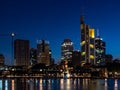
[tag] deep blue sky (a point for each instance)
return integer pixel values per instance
(55, 20)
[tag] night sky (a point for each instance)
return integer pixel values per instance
(55, 20)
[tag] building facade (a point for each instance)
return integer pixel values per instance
(87, 43)
(43, 52)
(66, 50)
(21, 52)
(76, 57)
(100, 51)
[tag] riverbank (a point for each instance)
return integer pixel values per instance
(45, 77)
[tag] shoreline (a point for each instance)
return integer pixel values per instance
(42, 77)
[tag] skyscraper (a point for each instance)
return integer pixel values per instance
(87, 43)
(99, 51)
(21, 52)
(66, 50)
(43, 52)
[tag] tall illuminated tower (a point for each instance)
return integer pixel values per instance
(87, 43)
(99, 51)
(66, 50)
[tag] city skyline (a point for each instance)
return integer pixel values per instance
(56, 20)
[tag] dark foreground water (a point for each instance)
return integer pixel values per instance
(59, 84)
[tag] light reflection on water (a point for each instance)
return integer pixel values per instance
(59, 84)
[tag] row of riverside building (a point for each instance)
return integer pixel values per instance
(93, 50)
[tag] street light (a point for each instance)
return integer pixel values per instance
(12, 34)
(12, 43)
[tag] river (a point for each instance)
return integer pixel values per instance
(59, 84)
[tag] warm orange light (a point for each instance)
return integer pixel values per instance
(91, 56)
(91, 33)
(13, 85)
(83, 53)
(82, 63)
(91, 46)
(82, 43)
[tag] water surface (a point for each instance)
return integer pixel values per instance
(59, 84)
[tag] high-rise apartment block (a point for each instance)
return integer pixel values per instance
(87, 43)
(21, 52)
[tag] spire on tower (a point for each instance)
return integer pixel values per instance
(82, 16)
(98, 34)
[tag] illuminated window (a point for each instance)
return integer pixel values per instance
(81, 26)
(91, 46)
(91, 57)
(82, 43)
(83, 53)
(91, 33)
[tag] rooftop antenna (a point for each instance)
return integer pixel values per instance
(82, 16)
(82, 12)
(98, 33)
